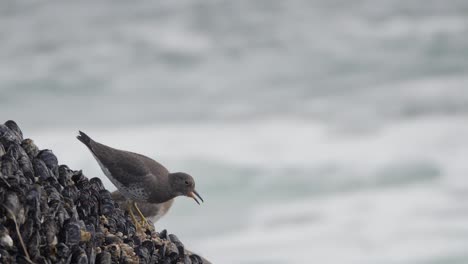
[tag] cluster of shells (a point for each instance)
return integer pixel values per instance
(52, 214)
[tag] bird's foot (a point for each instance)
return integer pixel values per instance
(144, 221)
(148, 225)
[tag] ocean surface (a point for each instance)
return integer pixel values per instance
(317, 131)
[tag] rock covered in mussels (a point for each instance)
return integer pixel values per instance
(50, 213)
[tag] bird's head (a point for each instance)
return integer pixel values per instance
(183, 184)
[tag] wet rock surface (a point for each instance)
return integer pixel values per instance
(50, 213)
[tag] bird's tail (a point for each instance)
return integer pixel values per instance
(85, 139)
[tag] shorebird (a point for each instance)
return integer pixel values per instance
(139, 178)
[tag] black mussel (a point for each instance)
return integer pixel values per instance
(178, 244)
(171, 250)
(96, 184)
(187, 260)
(71, 192)
(49, 228)
(71, 233)
(79, 256)
(2, 150)
(49, 159)
(14, 150)
(103, 258)
(65, 175)
(137, 240)
(155, 258)
(5, 256)
(9, 165)
(27, 229)
(78, 176)
(52, 194)
(14, 128)
(30, 148)
(149, 244)
(162, 251)
(33, 243)
(7, 136)
(196, 259)
(33, 204)
(40, 169)
(25, 164)
(106, 204)
(112, 239)
(52, 181)
(167, 261)
(163, 234)
(63, 251)
(143, 254)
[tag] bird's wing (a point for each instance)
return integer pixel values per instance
(126, 167)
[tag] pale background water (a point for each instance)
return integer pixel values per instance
(317, 131)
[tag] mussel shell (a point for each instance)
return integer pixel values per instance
(196, 259)
(187, 260)
(33, 204)
(149, 244)
(33, 243)
(171, 250)
(106, 204)
(14, 128)
(40, 169)
(30, 148)
(7, 136)
(103, 258)
(143, 254)
(49, 159)
(178, 244)
(71, 233)
(5, 256)
(2, 150)
(65, 175)
(49, 228)
(96, 184)
(9, 165)
(163, 234)
(79, 256)
(63, 251)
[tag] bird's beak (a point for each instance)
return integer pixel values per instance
(194, 195)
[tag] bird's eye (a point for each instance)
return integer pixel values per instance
(187, 183)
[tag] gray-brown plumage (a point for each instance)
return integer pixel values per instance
(139, 178)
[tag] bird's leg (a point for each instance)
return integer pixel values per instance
(137, 224)
(144, 221)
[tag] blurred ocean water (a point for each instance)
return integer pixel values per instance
(317, 131)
